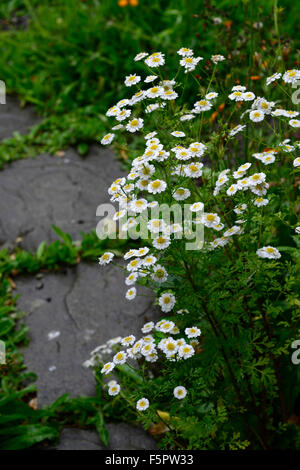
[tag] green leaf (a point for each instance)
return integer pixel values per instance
(102, 429)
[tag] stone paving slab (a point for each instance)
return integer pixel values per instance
(121, 437)
(86, 305)
(14, 118)
(83, 306)
(48, 190)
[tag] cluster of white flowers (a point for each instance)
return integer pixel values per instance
(129, 348)
(140, 191)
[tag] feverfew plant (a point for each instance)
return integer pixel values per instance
(216, 369)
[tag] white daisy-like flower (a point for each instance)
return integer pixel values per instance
(178, 134)
(128, 340)
(140, 56)
(192, 332)
(170, 347)
(221, 180)
(268, 159)
(194, 170)
(202, 105)
(278, 112)
(118, 215)
(257, 178)
(196, 207)
(236, 130)
(165, 326)
(256, 115)
(240, 208)
(111, 383)
(296, 162)
(166, 302)
(180, 392)
(155, 60)
(114, 390)
(157, 226)
(217, 58)
(187, 117)
(169, 95)
(148, 348)
(135, 124)
(294, 122)
(131, 279)
(113, 111)
(138, 205)
(263, 105)
(123, 114)
(122, 103)
(248, 96)
(120, 357)
(107, 139)
(268, 252)
(159, 274)
(131, 293)
(260, 201)
(152, 107)
(244, 167)
(238, 174)
(189, 63)
(209, 219)
(150, 78)
(130, 254)
(150, 135)
(157, 186)
(154, 92)
(148, 327)
(272, 78)
(183, 154)
(149, 260)
(236, 96)
(232, 231)
(146, 169)
(134, 265)
(106, 258)
(176, 228)
(137, 97)
(142, 404)
(185, 52)
(260, 189)
(162, 242)
(288, 113)
(181, 194)
(107, 368)
(238, 88)
(142, 251)
(117, 127)
(291, 76)
(152, 357)
(186, 351)
(211, 95)
(132, 80)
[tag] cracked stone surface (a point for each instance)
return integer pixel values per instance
(86, 305)
(80, 307)
(38, 193)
